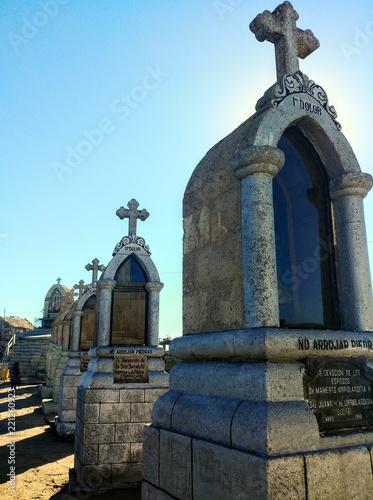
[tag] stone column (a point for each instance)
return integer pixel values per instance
(256, 168)
(106, 288)
(153, 290)
(70, 379)
(59, 334)
(75, 336)
(65, 341)
(355, 287)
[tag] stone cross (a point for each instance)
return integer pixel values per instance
(68, 300)
(94, 267)
(290, 41)
(58, 280)
(80, 287)
(132, 214)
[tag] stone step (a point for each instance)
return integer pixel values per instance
(30, 350)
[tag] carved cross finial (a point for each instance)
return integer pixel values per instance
(80, 287)
(279, 27)
(68, 300)
(94, 267)
(58, 281)
(132, 214)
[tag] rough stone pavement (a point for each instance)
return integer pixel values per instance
(42, 461)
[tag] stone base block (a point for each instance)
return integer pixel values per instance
(45, 392)
(48, 407)
(108, 435)
(182, 467)
(65, 430)
(94, 484)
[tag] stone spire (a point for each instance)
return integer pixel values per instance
(132, 214)
(279, 27)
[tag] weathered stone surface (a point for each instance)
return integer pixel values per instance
(93, 477)
(136, 452)
(69, 416)
(115, 412)
(259, 381)
(98, 433)
(151, 395)
(274, 428)
(176, 464)
(286, 478)
(141, 412)
(114, 453)
(162, 411)
(66, 404)
(345, 474)
(102, 396)
(131, 395)
(128, 474)
(129, 432)
(151, 457)
(207, 417)
(64, 429)
(222, 473)
(88, 454)
(89, 412)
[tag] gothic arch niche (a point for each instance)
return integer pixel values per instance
(304, 237)
(55, 301)
(129, 304)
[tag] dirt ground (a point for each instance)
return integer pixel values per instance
(41, 461)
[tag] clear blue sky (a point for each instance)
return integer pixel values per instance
(102, 102)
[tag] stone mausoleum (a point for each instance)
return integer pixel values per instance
(80, 341)
(125, 374)
(53, 303)
(273, 396)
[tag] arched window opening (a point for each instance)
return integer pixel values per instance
(304, 238)
(55, 301)
(128, 321)
(87, 328)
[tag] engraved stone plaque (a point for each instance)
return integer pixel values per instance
(339, 392)
(84, 360)
(130, 368)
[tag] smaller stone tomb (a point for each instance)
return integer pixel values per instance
(82, 336)
(339, 392)
(126, 373)
(57, 354)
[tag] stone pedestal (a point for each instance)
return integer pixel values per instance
(110, 421)
(60, 365)
(235, 422)
(49, 405)
(70, 380)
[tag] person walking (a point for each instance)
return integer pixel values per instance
(15, 376)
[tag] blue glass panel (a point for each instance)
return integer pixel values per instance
(303, 229)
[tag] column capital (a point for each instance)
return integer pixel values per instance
(353, 184)
(258, 159)
(108, 284)
(153, 286)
